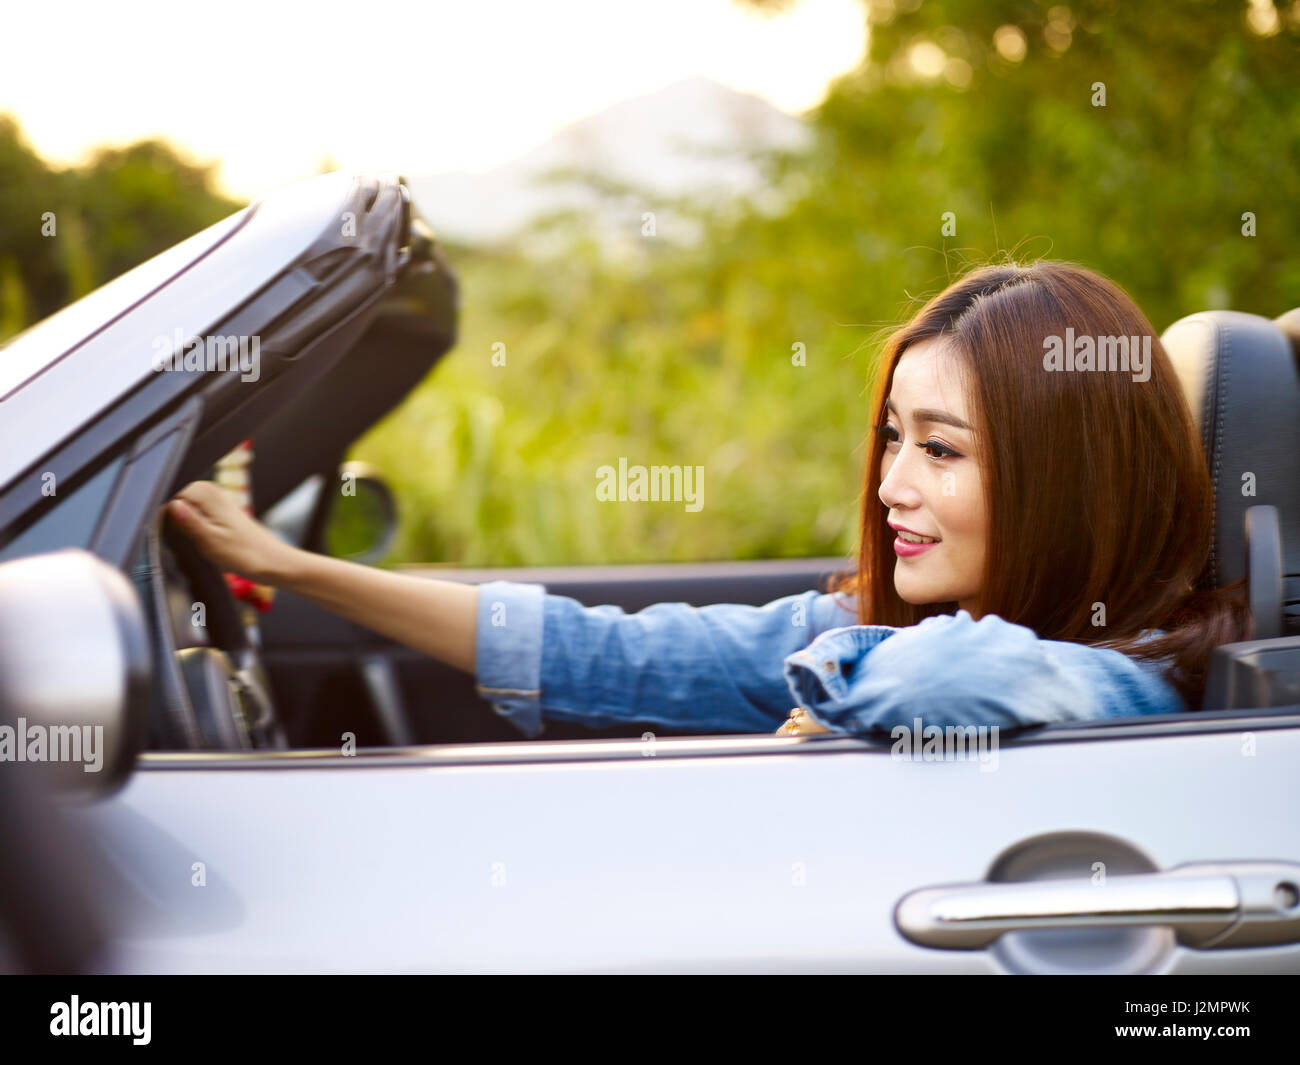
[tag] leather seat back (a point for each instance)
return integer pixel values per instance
(1239, 373)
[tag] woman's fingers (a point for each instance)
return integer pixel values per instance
(204, 496)
(180, 510)
(199, 512)
(226, 533)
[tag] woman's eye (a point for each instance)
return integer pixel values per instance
(936, 450)
(888, 432)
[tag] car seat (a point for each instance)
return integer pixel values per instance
(1239, 374)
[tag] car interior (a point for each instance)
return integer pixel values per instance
(298, 676)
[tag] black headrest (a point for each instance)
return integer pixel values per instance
(1239, 374)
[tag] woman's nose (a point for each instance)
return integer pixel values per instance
(897, 488)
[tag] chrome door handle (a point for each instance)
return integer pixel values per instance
(1207, 904)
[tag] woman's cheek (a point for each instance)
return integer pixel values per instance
(965, 520)
(960, 503)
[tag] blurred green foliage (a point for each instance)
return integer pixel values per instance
(66, 232)
(669, 352)
(683, 354)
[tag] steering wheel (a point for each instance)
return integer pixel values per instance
(225, 679)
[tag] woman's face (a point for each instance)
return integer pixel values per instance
(931, 481)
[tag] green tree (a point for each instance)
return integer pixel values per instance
(31, 197)
(13, 298)
(983, 117)
(138, 201)
(69, 231)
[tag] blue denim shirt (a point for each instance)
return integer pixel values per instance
(730, 667)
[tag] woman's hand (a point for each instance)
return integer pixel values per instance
(224, 532)
(435, 617)
(799, 723)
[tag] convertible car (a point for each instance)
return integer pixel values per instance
(231, 827)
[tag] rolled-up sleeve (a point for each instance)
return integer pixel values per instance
(715, 668)
(954, 670)
(508, 650)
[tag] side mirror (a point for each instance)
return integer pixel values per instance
(362, 521)
(355, 517)
(74, 671)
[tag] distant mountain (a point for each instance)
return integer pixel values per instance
(690, 137)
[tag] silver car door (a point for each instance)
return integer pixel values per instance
(712, 854)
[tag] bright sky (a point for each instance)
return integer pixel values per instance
(268, 89)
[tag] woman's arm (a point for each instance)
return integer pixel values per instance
(437, 618)
(715, 668)
(951, 670)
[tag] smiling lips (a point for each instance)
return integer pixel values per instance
(909, 544)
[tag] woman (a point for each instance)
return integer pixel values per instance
(1032, 529)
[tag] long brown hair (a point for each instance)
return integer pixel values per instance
(1097, 490)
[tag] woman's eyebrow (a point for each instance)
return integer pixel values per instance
(926, 415)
